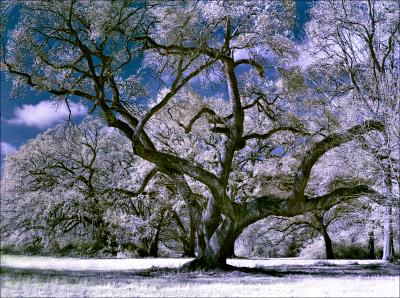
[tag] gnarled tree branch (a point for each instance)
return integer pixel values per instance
(272, 132)
(337, 196)
(320, 148)
(257, 66)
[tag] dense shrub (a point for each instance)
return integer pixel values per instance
(351, 251)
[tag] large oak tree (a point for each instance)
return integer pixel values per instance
(88, 49)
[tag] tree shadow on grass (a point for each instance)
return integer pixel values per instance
(320, 269)
(326, 270)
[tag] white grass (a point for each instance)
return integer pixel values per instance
(219, 287)
(199, 284)
(76, 264)
(295, 261)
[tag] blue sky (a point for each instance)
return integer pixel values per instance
(31, 113)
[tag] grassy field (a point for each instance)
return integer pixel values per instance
(68, 277)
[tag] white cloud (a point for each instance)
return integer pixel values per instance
(7, 148)
(45, 114)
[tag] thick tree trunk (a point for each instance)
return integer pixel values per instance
(392, 241)
(189, 242)
(232, 251)
(190, 248)
(153, 250)
(186, 236)
(371, 245)
(218, 248)
(387, 239)
(387, 215)
(398, 229)
(328, 245)
(188, 251)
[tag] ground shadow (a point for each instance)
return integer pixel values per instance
(320, 269)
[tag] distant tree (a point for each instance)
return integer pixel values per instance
(54, 184)
(317, 223)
